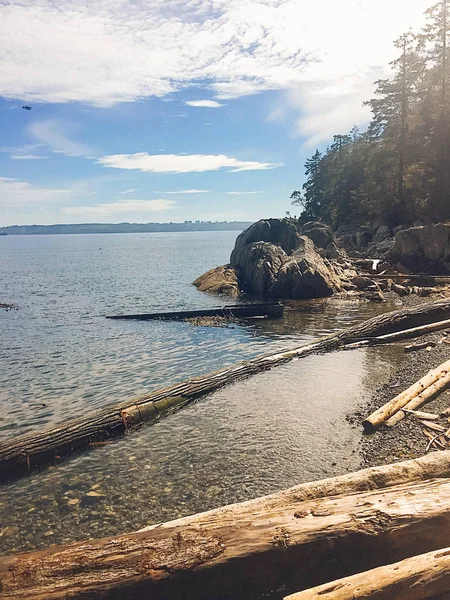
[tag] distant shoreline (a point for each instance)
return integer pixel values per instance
(94, 228)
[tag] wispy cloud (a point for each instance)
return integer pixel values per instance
(27, 157)
(15, 194)
(184, 192)
(130, 191)
(57, 136)
(176, 163)
(120, 207)
(243, 193)
(204, 103)
(93, 53)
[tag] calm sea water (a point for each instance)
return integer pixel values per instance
(61, 358)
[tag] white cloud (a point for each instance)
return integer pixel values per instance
(117, 51)
(119, 207)
(176, 163)
(27, 157)
(204, 103)
(185, 192)
(15, 193)
(56, 135)
(130, 191)
(243, 193)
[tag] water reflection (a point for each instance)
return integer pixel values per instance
(61, 358)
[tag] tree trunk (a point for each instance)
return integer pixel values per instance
(416, 578)
(36, 449)
(426, 396)
(438, 378)
(329, 529)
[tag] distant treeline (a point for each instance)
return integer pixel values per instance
(124, 227)
(398, 171)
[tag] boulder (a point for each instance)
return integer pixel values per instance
(258, 267)
(319, 233)
(381, 233)
(423, 248)
(305, 274)
(221, 280)
(281, 232)
(282, 259)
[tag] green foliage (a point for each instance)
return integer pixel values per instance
(398, 170)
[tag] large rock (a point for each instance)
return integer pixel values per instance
(423, 248)
(258, 267)
(319, 233)
(281, 259)
(221, 280)
(281, 232)
(305, 274)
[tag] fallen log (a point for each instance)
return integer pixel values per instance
(416, 578)
(388, 410)
(27, 452)
(272, 310)
(402, 335)
(426, 396)
(419, 346)
(331, 528)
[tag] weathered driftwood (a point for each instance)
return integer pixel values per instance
(388, 410)
(330, 529)
(27, 452)
(426, 396)
(403, 335)
(416, 578)
(419, 346)
(421, 415)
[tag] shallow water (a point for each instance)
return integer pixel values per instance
(61, 358)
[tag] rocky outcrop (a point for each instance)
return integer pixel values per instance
(257, 265)
(281, 259)
(423, 249)
(281, 232)
(319, 233)
(221, 280)
(304, 274)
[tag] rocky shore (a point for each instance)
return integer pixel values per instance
(286, 259)
(406, 439)
(283, 259)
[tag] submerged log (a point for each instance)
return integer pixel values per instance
(24, 453)
(388, 410)
(331, 528)
(417, 578)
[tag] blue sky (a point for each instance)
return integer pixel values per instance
(170, 110)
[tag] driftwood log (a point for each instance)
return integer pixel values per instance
(426, 396)
(293, 539)
(417, 578)
(24, 453)
(424, 389)
(405, 334)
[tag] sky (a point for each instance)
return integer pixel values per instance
(173, 110)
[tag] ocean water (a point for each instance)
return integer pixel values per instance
(61, 358)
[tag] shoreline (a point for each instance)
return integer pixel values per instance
(405, 440)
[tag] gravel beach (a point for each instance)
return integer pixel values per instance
(406, 439)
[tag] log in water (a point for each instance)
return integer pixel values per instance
(27, 452)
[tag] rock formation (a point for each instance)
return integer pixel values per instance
(220, 280)
(279, 258)
(423, 249)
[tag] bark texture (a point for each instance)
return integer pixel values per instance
(330, 529)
